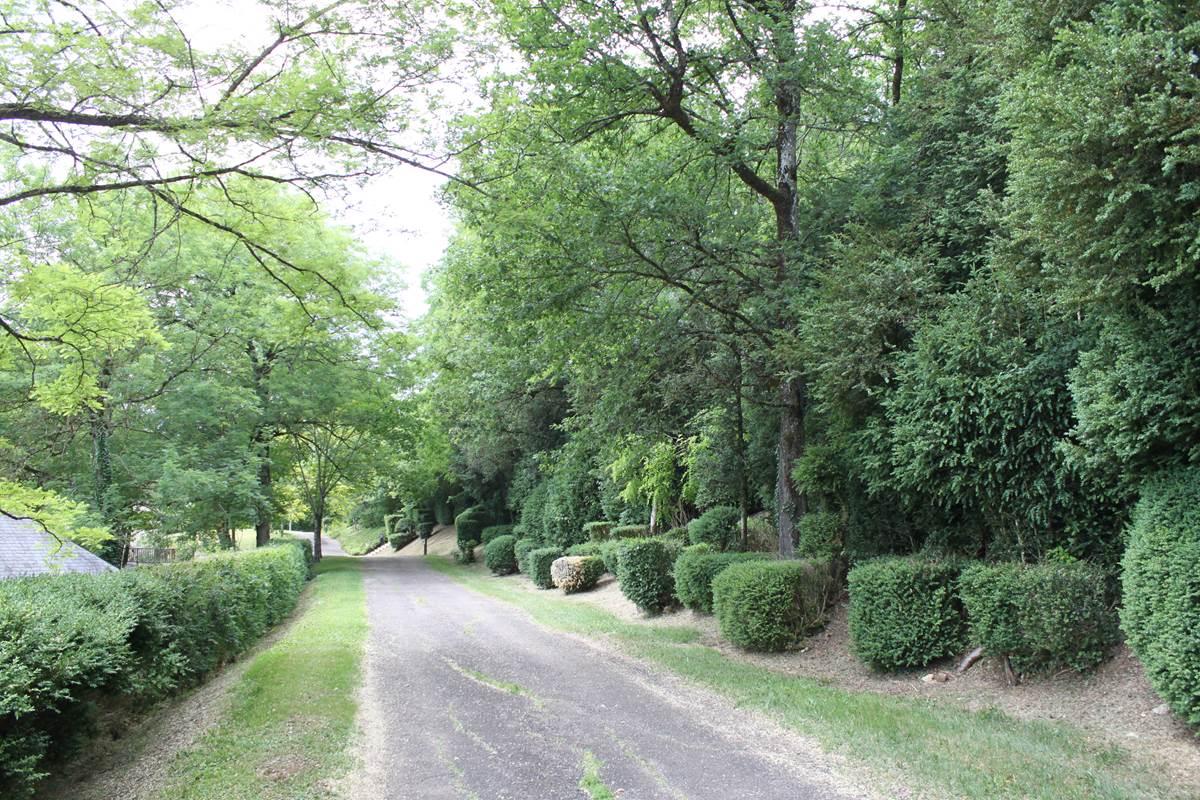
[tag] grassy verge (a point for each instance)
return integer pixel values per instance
(945, 750)
(355, 540)
(292, 712)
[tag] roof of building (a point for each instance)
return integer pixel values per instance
(26, 549)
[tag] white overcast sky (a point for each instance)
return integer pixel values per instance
(396, 215)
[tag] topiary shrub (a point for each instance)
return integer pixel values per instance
(598, 531)
(1160, 585)
(539, 562)
(694, 572)
(905, 612)
(770, 605)
(493, 531)
(819, 536)
(576, 573)
(402, 539)
(499, 555)
(521, 549)
(718, 526)
(629, 531)
(469, 525)
(644, 573)
(1042, 617)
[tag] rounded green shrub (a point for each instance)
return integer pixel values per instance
(905, 612)
(1043, 617)
(576, 573)
(521, 549)
(718, 526)
(469, 525)
(493, 531)
(695, 570)
(539, 562)
(770, 605)
(644, 573)
(819, 536)
(402, 539)
(629, 531)
(499, 555)
(1160, 586)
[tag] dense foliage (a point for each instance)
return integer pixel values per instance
(140, 634)
(499, 555)
(538, 564)
(644, 572)
(1042, 617)
(1161, 589)
(695, 570)
(905, 612)
(771, 605)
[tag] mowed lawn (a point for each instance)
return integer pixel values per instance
(291, 721)
(933, 750)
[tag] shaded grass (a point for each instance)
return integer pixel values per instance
(355, 540)
(940, 748)
(292, 713)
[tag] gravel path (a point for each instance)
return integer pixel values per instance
(465, 697)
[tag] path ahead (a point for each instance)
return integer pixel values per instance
(329, 547)
(443, 720)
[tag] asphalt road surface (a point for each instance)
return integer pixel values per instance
(466, 697)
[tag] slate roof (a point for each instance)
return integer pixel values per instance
(26, 549)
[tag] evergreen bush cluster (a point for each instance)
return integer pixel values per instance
(140, 634)
(469, 525)
(493, 531)
(521, 549)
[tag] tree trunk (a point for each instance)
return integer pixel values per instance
(653, 515)
(318, 527)
(262, 526)
(261, 370)
(790, 504)
(898, 52)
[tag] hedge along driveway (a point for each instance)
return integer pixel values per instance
(936, 750)
(292, 715)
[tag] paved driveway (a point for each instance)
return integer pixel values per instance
(467, 698)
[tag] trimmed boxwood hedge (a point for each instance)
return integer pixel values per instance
(521, 549)
(718, 527)
(1160, 586)
(770, 605)
(695, 570)
(629, 531)
(539, 562)
(644, 573)
(499, 556)
(140, 634)
(585, 549)
(492, 531)
(905, 612)
(610, 551)
(1043, 617)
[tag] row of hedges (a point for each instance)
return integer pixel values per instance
(67, 641)
(907, 612)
